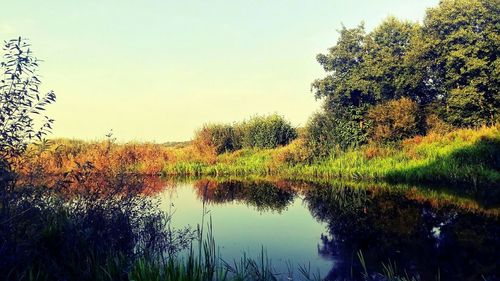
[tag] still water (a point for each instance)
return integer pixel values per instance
(329, 226)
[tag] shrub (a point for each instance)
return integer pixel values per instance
(319, 135)
(434, 124)
(393, 120)
(336, 128)
(216, 139)
(294, 153)
(266, 132)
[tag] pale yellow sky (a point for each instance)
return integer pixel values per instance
(156, 70)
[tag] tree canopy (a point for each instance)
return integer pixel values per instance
(448, 66)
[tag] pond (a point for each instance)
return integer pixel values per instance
(332, 226)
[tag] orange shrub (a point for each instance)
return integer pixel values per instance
(295, 152)
(393, 120)
(435, 124)
(62, 157)
(216, 139)
(374, 151)
(413, 141)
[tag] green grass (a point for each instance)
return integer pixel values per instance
(465, 157)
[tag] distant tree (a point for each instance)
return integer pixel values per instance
(21, 104)
(459, 53)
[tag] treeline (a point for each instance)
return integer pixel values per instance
(400, 80)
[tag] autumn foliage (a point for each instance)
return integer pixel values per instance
(393, 120)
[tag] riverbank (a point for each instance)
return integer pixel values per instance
(466, 159)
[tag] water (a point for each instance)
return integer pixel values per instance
(330, 225)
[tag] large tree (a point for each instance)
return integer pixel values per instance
(448, 66)
(385, 65)
(461, 41)
(369, 68)
(364, 70)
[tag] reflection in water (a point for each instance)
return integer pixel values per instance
(264, 196)
(420, 231)
(386, 225)
(328, 224)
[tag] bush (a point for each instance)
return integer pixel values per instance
(319, 135)
(393, 120)
(266, 132)
(258, 132)
(334, 129)
(434, 124)
(216, 139)
(294, 153)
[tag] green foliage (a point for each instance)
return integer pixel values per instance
(320, 134)
(338, 128)
(450, 61)
(419, 160)
(386, 70)
(461, 39)
(266, 132)
(345, 83)
(368, 68)
(475, 166)
(465, 106)
(21, 104)
(259, 132)
(363, 69)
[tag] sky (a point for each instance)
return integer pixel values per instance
(156, 70)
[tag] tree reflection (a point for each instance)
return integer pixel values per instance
(419, 234)
(264, 196)
(388, 227)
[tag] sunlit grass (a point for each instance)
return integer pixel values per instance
(465, 157)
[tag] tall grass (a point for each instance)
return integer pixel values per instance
(204, 263)
(466, 157)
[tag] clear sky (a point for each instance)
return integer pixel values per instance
(155, 70)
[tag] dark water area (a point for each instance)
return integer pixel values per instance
(332, 226)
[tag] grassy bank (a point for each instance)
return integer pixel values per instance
(465, 157)
(468, 158)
